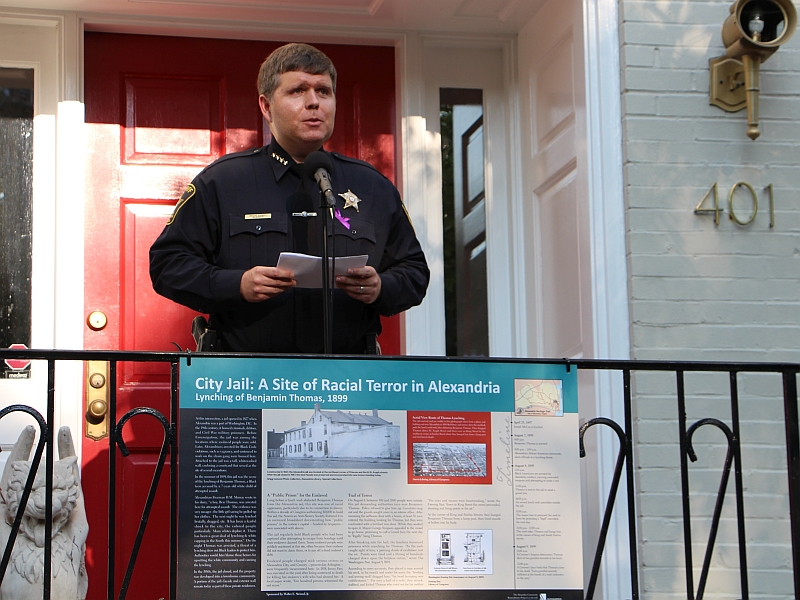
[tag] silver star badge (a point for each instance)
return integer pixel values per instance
(350, 200)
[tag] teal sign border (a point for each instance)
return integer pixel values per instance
(362, 384)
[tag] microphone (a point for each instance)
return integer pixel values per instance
(318, 165)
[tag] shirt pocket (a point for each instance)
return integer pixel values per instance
(258, 240)
(359, 238)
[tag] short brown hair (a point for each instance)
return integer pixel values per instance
(293, 57)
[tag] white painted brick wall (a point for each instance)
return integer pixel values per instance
(700, 292)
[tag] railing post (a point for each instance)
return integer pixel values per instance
(48, 479)
(632, 538)
(739, 484)
(793, 467)
(112, 476)
(173, 483)
(687, 519)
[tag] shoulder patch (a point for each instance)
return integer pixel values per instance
(408, 216)
(190, 191)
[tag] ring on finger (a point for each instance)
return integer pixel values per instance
(361, 291)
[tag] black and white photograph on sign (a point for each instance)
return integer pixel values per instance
(331, 439)
(460, 551)
(449, 460)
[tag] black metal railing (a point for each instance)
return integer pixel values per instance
(624, 464)
(733, 460)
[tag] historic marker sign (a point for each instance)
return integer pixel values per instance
(358, 479)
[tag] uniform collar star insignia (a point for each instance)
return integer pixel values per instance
(350, 200)
(279, 160)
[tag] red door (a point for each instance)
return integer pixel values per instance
(159, 109)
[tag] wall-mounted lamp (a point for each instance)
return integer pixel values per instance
(752, 33)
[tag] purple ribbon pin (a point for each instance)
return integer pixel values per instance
(343, 220)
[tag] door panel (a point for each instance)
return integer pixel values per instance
(140, 306)
(158, 110)
(173, 121)
(547, 51)
(558, 209)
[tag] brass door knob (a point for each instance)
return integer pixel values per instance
(96, 412)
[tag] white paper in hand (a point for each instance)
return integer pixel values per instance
(308, 269)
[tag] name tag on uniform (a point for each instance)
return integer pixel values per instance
(258, 216)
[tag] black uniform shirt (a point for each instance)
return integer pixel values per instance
(237, 214)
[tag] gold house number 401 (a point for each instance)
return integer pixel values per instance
(713, 193)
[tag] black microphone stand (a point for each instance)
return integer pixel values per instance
(326, 207)
(319, 166)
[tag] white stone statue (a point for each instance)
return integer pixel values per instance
(25, 574)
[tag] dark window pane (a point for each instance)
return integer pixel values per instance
(463, 205)
(16, 192)
(16, 93)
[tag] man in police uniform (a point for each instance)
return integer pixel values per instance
(218, 252)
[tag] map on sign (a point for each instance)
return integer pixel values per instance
(538, 397)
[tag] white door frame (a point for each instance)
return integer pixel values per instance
(57, 258)
(486, 63)
(610, 297)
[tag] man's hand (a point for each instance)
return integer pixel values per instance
(262, 283)
(362, 284)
